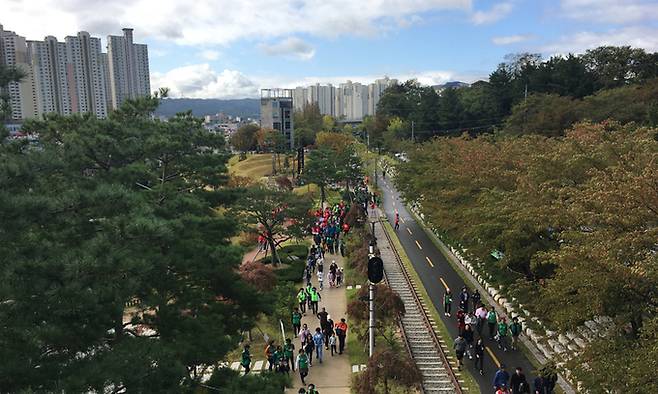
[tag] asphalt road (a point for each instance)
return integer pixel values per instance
(436, 273)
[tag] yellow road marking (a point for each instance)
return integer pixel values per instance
(429, 261)
(444, 283)
(493, 356)
(409, 231)
(419, 247)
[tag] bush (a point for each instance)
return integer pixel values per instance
(227, 381)
(294, 272)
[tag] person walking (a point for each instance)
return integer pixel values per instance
(246, 359)
(321, 279)
(302, 363)
(460, 348)
(309, 347)
(315, 298)
(503, 330)
(332, 344)
(289, 353)
(269, 354)
(461, 320)
(303, 334)
(481, 315)
(471, 320)
(447, 302)
(301, 299)
(318, 341)
(491, 322)
(539, 385)
(397, 221)
(515, 329)
(476, 297)
(296, 321)
(479, 356)
(501, 378)
(311, 389)
(279, 360)
(341, 332)
(463, 299)
(518, 382)
(468, 337)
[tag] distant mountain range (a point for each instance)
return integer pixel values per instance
(245, 108)
(450, 85)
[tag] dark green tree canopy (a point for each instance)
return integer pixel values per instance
(101, 214)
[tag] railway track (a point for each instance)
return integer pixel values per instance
(418, 330)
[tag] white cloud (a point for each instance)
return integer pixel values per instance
(638, 37)
(202, 81)
(496, 13)
(610, 11)
(290, 47)
(507, 40)
(209, 54)
(208, 22)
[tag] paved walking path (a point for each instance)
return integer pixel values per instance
(333, 375)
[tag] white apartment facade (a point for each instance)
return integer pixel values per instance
(74, 76)
(128, 68)
(350, 101)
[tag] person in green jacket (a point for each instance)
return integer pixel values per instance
(502, 334)
(311, 389)
(246, 359)
(515, 329)
(289, 353)
(301, 298)
(447, 302)
(302, 364)
(280, 360)
(296, 321)
(315, 298)
(491, 322)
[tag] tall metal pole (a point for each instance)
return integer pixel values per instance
(371, 301)
(412, 131)
(371, 342)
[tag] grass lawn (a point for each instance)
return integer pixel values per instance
(469, 382)
(255, 166)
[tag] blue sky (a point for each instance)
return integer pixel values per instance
(229, 49)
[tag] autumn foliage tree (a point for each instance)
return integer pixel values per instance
(576, 220)
(385, 370)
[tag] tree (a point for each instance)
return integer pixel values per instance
(386, 368)
(546, 114)
(244, 139)
(123, 211)
(259, 275)
(309, 118)
(328, 123)
(321, 169)
(397, 129)
(388, 306)
(338, 142)
(7, 75)
(280, 215)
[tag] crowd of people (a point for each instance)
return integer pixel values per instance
(328, 232)
(475, 322)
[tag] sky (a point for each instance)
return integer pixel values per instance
(232, 49)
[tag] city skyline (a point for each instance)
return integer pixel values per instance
(212, 49)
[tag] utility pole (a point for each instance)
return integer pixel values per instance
(412, 131)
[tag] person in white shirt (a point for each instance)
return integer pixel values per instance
(481, 316)
(320, 279)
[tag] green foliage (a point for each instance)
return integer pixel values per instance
(279, 215)
(557, 84)
(283, 300)
(552, 115)
(8, 74)
(308, 122)
(244, 139)
(227, 381)
(121, 209)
